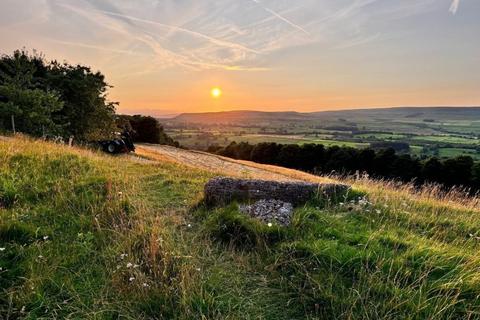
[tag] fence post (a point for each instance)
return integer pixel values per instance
(13, 124)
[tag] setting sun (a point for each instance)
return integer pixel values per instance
(216, 92)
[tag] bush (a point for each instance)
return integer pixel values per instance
(145, 129)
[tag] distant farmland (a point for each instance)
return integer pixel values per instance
(442, 132)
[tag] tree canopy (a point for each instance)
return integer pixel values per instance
(54, 98)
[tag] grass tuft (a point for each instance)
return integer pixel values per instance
(230, 226)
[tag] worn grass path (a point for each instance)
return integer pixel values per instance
(222, 165)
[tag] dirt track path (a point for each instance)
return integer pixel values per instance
(223, 165)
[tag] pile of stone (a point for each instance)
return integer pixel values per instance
(270, 211)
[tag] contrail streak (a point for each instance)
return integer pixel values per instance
(279, 16)
(216, 41)
(90, 46)
(454, 6)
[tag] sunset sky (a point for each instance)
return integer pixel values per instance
(166, 56)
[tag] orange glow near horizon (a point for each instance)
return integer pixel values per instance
(192, 97)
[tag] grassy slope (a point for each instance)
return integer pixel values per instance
(87, 236)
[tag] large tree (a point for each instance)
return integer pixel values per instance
(72, 97)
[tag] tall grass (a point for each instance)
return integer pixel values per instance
(85, 235)
(81, 238)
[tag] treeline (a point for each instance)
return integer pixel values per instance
(145, 129)
(42, 98)
(386, 163)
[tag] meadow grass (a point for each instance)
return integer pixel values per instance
(89, 236)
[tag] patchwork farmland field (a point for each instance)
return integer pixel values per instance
(438, 132)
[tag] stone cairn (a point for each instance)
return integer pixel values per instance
(273, 200)
(269, 211)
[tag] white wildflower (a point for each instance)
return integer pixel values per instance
(129, 265)
(145, 285)
(40, 257)
(378, 211)
(120, 193)
(123, 256)
(136, 266)
(2, 249)
(198, 269)
(45, 238)
(363, 202)
(189, 225)
(269, 224)
(131, 279)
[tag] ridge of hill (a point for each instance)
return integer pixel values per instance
(238, 117)
(87, 235)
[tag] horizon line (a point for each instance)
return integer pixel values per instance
(170, 114)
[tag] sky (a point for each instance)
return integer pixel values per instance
(163, 57)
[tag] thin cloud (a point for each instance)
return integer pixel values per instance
(213, 40)
(358, 41)
(241, 68)
(161, 56)
(454, 7)
(95, 47)
(192, 59)
(279, 16)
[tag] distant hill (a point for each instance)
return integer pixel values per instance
(436, 113)
(251, 117)
(229, 117)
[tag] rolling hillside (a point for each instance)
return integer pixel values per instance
(86, 235)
